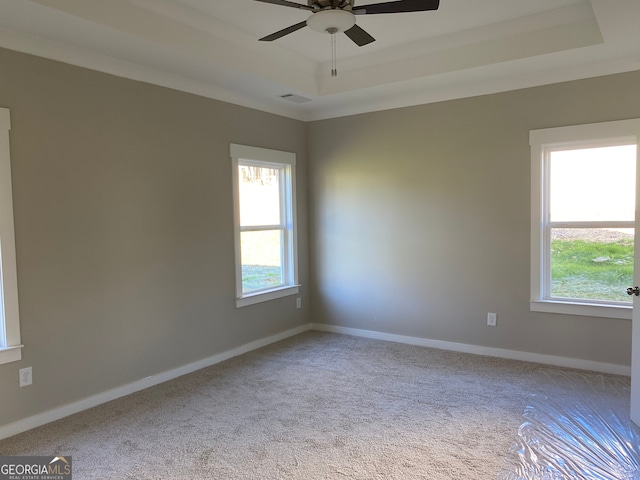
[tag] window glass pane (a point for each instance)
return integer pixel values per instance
(261, 260)
(593, 184)
(591, 263)
(259, 195)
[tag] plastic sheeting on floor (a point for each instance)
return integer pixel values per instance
(582, 432)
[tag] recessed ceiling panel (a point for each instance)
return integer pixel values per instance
(212, 48)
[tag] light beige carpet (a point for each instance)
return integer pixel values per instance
(315, 406)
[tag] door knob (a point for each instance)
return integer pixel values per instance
(633, 291)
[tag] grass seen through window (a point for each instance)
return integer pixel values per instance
(591, 264)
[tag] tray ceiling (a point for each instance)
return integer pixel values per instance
(211, 48)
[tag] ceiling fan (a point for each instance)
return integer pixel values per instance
(334, 16)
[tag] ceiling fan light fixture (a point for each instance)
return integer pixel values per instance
(331, 21)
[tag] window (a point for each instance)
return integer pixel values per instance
(583, 218)
(265, 227)
(10, 348)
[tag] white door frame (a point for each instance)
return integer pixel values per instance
(635, 335)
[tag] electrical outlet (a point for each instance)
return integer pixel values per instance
(492, 319)
(298, 302)
(25, 376)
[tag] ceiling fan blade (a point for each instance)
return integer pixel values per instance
(286, 3)
(359, 36)
(397, 6)
(283, 32)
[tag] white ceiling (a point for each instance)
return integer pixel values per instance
(211, 47)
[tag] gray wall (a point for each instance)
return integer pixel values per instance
(420, 219)
(123, 215)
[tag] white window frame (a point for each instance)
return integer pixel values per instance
(542, 142)
(286, 163)
(10, 346)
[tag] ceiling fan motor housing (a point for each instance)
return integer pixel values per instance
(323, 4)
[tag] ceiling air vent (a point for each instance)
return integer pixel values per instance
(295, 98)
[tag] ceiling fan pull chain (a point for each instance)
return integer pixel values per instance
(334, 68)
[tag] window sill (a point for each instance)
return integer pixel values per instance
(267, 295)
(622, 312)
(10, 354)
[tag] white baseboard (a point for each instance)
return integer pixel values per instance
(104, 397)
(95, 400)
(478, 350)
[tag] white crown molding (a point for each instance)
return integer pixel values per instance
(36, 46)
(539, 34)
(183, 45)
(463, 84)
